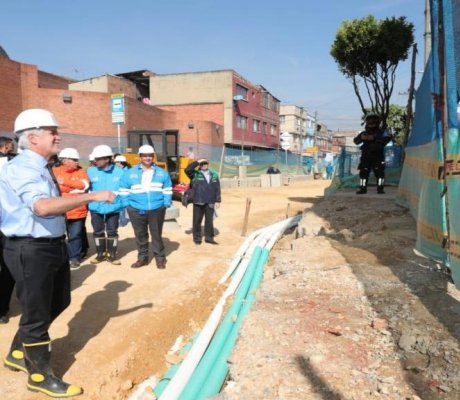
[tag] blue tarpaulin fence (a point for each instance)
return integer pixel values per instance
(430, 181)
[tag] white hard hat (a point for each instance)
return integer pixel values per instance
(69, 152)
(120, 158)
(91, 157)
(102, 151)
(34, 118)
(146, 149)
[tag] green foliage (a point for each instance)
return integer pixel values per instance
(396, 122)
(367, 52)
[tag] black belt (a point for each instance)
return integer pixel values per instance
(37, 240)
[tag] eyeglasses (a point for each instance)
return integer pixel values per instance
(146, 155)
(101, 158)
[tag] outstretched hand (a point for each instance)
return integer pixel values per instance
(105, 196)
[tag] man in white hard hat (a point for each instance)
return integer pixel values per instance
(35, 251)
(148, 192)
(73, 180)
(105, 217)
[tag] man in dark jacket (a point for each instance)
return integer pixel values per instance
(373, 140)
(206, 199)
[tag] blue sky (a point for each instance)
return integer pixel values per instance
(282, 45)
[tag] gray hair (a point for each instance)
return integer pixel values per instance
(24, 142)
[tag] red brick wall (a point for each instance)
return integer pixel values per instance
(252, 109)
(213, 112)
(50, 81)
(10, 92)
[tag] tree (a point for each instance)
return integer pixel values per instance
(368, 52)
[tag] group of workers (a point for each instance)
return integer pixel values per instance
(42, 203)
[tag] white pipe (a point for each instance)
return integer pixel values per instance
(240, 253)
(188, 366)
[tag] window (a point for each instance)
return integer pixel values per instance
(242, 91)
(275, 105)
(265, 99)
(264, 128)
(282, 119)
(241, 122)
(255, 125)
(273, 130)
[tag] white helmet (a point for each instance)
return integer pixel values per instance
(91, 157)
(146, 149)
(120, 158)
(34, 118)
(102, 151)
(69, 152)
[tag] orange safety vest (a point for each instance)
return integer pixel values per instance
(73, 183)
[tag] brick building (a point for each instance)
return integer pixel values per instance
(248, 113)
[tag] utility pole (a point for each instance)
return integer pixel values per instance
(427, 34)
(315, 144)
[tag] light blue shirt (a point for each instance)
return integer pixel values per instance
(23, 181)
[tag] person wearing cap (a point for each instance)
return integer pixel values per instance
(373, 141)
(147, 192)
(105, 217)
(35, 252)
(206, 199)
(121, 162)
(73, 180)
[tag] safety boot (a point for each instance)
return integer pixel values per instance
(362, 186)
(14, 360)
(100, 250)
(112, 246)
(380, 183)
(41, 376)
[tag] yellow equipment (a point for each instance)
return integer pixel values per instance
(166, 145)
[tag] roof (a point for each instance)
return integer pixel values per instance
(3, 53)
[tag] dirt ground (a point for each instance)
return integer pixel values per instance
(122, 322)
(347, 310)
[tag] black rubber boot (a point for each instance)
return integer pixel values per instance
(112, 246)
(362, 190)
(41, 377)
(380, 190)
(100, 250)
(15, 357)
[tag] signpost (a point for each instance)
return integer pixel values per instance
(286, 142)
(118, 113)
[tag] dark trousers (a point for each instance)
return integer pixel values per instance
(200, 211)
(105, 223)
(377, 167)
(42, 274)
(75, 238)
(143, 222)
(6, 284)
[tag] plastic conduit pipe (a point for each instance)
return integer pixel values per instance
(180, 379)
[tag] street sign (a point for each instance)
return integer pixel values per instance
(118, 108)
(285, 140)
(311, 150)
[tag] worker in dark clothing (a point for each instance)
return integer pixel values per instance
(206, 199)
(34, 250)
(6, 280)
(373, 140)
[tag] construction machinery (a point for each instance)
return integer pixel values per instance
(166, 145)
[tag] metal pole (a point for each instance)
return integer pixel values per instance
(119, 139)
(427, 34)
(315, 144)
(197, 132)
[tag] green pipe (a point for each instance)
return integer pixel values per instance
(218, 373)
(203, 369)
(161, 386)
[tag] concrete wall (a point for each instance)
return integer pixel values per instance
(107, 84)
